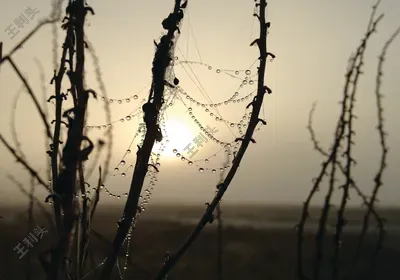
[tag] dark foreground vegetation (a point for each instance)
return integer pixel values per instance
(250, 251)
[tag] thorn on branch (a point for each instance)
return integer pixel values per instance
(262, 121)
(92, 92)
(271, 55)
(267, 89)
(152, 165)
(256, 41)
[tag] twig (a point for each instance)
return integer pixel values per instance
(31, 94)
(24, 163)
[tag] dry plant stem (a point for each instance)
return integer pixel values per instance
(341, 222)
(161, 62)
(384, 151)
(27, 37)
(57, 79)
(340, 131)
(364, 198)
(46, 114)
(254, 120)
(24, 163)
(66, 181)
(13, 126)
(31, 94)
(220, 225)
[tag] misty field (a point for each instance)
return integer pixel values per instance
(258, 243)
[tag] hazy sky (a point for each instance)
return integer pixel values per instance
(312, 40)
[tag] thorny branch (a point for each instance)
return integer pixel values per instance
(345, 123)
(254, 120)
(151, 109)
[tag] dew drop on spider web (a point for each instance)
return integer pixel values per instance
(209, 67)
(248, 72)
(123, 174)
(178, 154)
(237, 72)
(201, 169)
(176, 58)
(232, 124)
(251, 82)
(183, 158)
(128, 118)
(190, 163)
(128, 151)
(122, 162)
(213, 171)
(174, 151)
(111, 101)
(102, 99)
(127, 100)
(119, 101)
(135, 97)
(116, 169)
(206, 160)
(244, 82)
(218, 71)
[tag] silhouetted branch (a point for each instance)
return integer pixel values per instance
(23, 162)
(31, 94)
(245, 141)
(151, 109)
(354, 70)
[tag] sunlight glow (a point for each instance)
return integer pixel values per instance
(179, 136)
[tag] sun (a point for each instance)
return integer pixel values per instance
(179, 136)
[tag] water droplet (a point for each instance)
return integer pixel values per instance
(127, 100)
(206, 160)
(190, 162)
(135, 97)
(218, 71)
(116, 169)
(176, 58)
(201, 169)
(209, 67)
(101, 186)
(178, 154)
(244, 82)
(213, 171)
(221, 169)
(128, 118)
(232, 124)
(122, 120)
(183, 158)
(174, 151)
(102, 99)
(248, 72)
(251, 82)
(237, 72)
(128, 151)
(111, 101)
(119, 101)
(190, 109)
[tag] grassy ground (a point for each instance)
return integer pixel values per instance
(250, 252)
